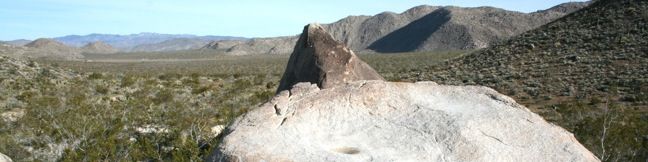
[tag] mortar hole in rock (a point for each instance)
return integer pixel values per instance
(348, 150)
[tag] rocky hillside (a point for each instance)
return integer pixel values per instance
(426, 28)
(98, 48)
(274, 45)
(172, 45)
(51, 49)
(455, 28)
(222, 45)
(585, 63)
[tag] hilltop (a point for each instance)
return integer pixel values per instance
(52, 49)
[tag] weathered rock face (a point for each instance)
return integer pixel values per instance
(318, 58)
(377, 120)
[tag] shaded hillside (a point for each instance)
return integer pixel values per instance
(586, 72)
(455, 28)
(171, 45)
(358, 32)
(98, 48)
(425, 28)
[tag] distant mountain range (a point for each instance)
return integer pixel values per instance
(131, 41)
(52, 49)
(422, 28)
(128, 42)
(173, 45)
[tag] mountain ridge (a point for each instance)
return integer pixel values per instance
(445, 28)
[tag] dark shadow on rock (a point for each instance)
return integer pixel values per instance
(413, 35)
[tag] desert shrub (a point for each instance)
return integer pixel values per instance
(102, 89)
(162, 96)
(611, 132)
(200, 90)
(128, 80)
(95, 76)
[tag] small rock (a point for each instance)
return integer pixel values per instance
(13, 115)
(148, 129)
(217, 130)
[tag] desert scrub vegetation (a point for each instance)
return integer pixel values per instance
(166, 110)
(612, 131)
(134, 110)
(95, 116)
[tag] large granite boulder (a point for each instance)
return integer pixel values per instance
(383, 121)
(318, 58)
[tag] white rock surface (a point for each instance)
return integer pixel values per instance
(4, 158)
(383, 121)
(151, 128)
(12, 115)
(217, 130)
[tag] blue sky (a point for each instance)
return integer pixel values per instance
(30, 19)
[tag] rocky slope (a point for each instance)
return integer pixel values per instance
(274, 45)
(336, 114)
(581, 56)
(428, 28)
(222, 45)
(582, 64)
(51, 49)
(98, 48)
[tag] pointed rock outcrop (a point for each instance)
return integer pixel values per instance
(320, 59)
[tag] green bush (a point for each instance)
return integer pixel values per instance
(95, 76)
